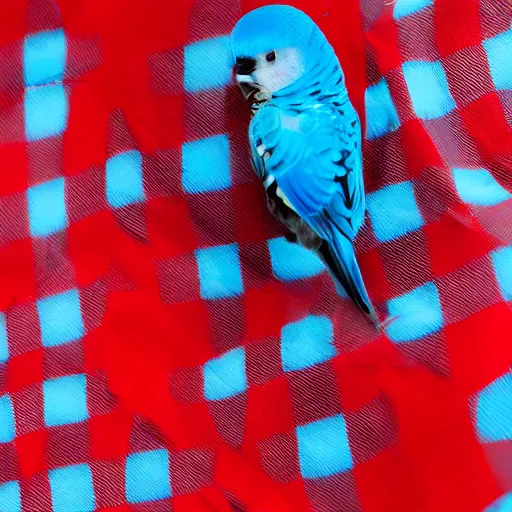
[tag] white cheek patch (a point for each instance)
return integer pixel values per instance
(274, 77)
(269, 77)
(281, 73)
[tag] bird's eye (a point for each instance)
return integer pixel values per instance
(271, 56)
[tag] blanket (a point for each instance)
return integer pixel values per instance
(164, 348)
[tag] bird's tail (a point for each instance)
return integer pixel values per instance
(341, 260)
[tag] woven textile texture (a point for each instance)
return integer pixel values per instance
(163, 348)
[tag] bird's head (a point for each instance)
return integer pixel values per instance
(273, 47)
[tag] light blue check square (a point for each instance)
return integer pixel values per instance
(393, 211)
(494, 411)
(479, 187)
(124, 179)
(220, 275)
(428, 88)
(65, 400)
(206, 165)
(324, 448)
(381, 114)
(306, 343)
(291, 261)
(60, 318)
(225, 376)
(406, 7)
(415, 314)
(147, 476)
(208, 64)
(502, 261)
(4, 344)
(47, 208)
(7, 431)
(44, 57)
(46, 112)
(72, 489)
(504, 504)
(499, 55)
(10, 497)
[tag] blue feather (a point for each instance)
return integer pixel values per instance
(307, 138)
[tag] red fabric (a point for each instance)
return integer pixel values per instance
(409, 408)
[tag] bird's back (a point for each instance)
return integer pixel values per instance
(317, 145)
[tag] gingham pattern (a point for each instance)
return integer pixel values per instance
(162, 347)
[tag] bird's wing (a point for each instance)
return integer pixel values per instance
(315, 160)
(315, 157)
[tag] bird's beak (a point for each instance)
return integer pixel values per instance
(247, 86)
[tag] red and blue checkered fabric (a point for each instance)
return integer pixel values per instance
(162, 347)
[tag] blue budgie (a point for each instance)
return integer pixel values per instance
(305, 137)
